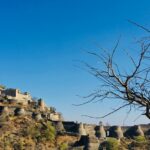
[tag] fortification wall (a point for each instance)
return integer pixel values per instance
(92, 130)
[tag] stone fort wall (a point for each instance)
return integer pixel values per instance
(92, 130)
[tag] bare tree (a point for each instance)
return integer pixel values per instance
(132, 88)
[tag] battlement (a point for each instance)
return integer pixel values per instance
(94, 136)
(14, 102)
(101, 131)
(16, 95)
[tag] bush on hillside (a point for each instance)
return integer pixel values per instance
(140, 139)
(49, 133)
(41, 132)
(63, 146)
(112, 144)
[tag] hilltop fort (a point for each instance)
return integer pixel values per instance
(20, 112)
(14, 102)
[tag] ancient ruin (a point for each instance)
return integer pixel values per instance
(14, 102)
(18, 104)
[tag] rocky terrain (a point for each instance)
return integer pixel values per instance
(23, 132)
(26, 133)
(28, 124)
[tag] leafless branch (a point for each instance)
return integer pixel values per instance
(142, 27)
(115, 110)
(132, 88)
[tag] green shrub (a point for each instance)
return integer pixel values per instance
(140, 139)
(112, 144)
(139, 142)
(63, 146)
(41, 132)
(49, 133)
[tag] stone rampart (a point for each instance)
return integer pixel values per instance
(110, 131)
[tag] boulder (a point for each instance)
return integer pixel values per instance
(20, 111)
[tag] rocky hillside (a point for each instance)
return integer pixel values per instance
(25, 133)
(28, 124)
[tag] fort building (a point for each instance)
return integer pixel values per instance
(15, 94)
(13, 101)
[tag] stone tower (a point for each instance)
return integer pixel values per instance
(134, 131)
(81, 130)
(101, 132)
(116, 132)
(138, 131)
(60, 126)
(41, 104)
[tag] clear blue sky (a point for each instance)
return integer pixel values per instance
(40, 41)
